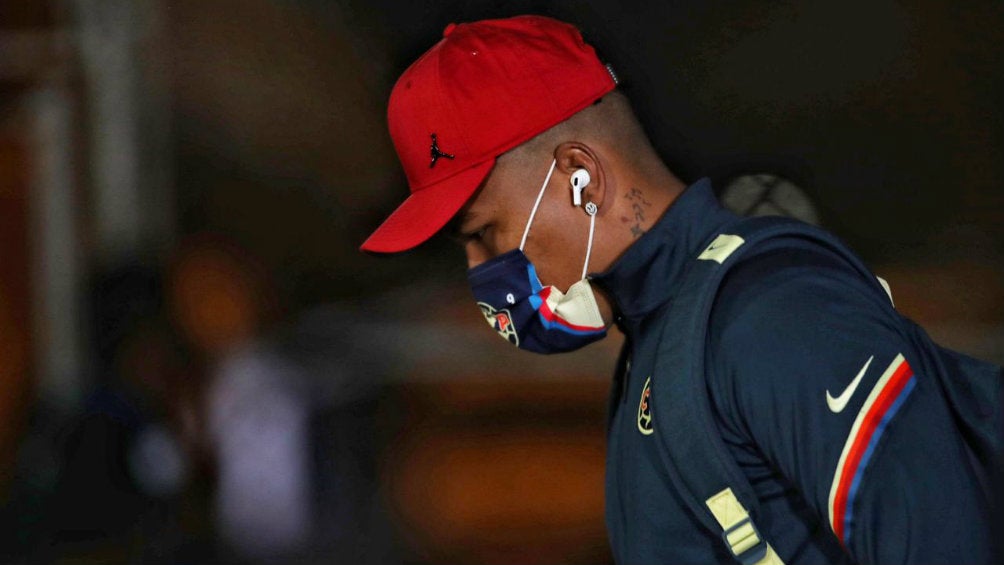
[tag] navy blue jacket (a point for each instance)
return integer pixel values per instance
(798, 346)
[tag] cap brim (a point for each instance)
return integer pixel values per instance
(426, 211)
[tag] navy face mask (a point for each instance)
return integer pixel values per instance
(532, 316)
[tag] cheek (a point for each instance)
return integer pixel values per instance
(495, 242)
(503, 236)
(557, 251)
(560, 269)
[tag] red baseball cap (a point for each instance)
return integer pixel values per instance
(485, 88)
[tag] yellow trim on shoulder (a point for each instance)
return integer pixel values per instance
(723, 246)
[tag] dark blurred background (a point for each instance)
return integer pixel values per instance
(197, 366)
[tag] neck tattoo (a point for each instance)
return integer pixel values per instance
(639, 207)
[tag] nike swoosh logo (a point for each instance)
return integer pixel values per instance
(837, 404)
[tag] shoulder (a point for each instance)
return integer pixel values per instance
(782, 290)
(783, 276)
(789, 321)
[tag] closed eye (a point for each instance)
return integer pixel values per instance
(455, 228)
(475, 235)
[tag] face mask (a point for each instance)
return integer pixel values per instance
(532, 316)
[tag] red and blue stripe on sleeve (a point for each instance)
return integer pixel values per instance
(885, 400)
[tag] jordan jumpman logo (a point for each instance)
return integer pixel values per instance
(436, 153)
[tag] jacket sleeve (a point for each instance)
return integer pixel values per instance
(811, 368)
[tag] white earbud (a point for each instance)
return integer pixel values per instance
(580, 180)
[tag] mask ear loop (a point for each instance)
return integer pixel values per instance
(591, 210)
(526, 231)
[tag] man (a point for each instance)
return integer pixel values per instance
(770, 405)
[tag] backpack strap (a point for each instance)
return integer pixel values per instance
(704, 472)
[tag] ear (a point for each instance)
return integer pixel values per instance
(574, 155)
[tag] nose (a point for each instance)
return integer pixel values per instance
(476, 254)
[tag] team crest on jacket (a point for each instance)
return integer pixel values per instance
(501, 320)
(645, 409)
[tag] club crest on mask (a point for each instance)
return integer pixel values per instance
(501, 320)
